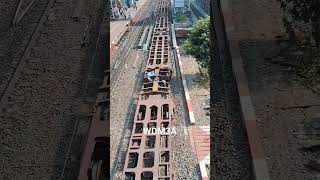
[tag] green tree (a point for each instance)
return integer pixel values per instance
(197, 42)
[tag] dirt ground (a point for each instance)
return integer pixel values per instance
(199, 94)
(283, 106)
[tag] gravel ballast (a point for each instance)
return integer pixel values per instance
(37, 122)
(284, 108)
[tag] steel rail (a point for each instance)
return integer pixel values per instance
(84, 92)
(1, 5)
(17, 19)
(128, 50)
(123, 51)
(150, 155)
(136, 91)
(21, 63)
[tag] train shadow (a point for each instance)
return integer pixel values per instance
(80, 105)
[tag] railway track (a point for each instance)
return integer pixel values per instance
(231, 143)
(131, 39)
(119, 65)
(17, 41)
(102, 94)
(38, 101)
(2, 3)
(93, 158)
(7, 12)
(138, 65)
(149, 154)
(125, 135)
(127, 138)
(127, 37)
(236, 142)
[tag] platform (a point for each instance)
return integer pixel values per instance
(200, 138)
(118, 27)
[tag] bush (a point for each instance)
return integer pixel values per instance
(181, 17)
(197, 43)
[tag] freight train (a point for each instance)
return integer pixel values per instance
(95, 155)
(149, 155)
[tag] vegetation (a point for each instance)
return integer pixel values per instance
(197, 45)
(301, 19)
(302, 13)
(181, 17)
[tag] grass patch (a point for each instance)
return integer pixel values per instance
(181, 17)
